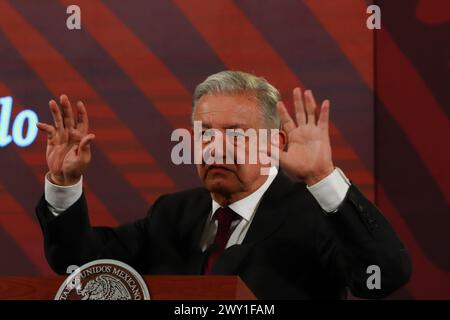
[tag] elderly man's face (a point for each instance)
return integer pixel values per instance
(221, 112)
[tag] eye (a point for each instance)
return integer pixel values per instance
(235, 133)
(208, 133)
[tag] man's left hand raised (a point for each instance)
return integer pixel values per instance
(308, 153)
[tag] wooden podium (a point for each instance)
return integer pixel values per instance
(160, 288)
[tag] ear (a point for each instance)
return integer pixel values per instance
(281, 139)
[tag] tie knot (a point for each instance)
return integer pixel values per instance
(224, 216)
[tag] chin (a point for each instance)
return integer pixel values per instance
(219, 185)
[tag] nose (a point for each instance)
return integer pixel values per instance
(213, 149)
(217, 149)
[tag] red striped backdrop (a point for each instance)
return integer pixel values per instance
(136, 65)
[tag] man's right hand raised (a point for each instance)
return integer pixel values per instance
(68, 142)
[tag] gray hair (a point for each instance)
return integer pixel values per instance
(237, 82)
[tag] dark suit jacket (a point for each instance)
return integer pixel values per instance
(292, 249)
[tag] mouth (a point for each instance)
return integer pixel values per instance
(217, 167)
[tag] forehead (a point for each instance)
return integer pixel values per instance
(228, 110)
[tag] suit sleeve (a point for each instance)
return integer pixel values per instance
(69, 238)
(360, 237)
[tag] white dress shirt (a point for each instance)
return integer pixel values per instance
(245, 208)
(329, 193)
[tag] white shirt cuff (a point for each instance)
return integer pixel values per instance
(60, 198)
(330, 191)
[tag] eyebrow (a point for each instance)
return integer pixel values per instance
(228, 126)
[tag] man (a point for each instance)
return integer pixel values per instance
(308, 236)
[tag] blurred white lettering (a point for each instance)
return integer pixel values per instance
(374, 280)
(18, 125)
(374, 20)
(74, 20)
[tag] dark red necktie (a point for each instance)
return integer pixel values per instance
(224, 216)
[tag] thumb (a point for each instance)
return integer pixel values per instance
(86, 143)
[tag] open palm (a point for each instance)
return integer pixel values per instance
(308, 154)
(68, 142)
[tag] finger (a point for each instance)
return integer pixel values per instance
(83, 121)
(286, 120)
(86, 143)
(310, 107)
(300, 114)
(49, 130)
(69, 121)
(56, 114)
(324, 116)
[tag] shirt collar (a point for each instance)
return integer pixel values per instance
(246, 206)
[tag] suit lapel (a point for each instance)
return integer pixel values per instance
(270, 214)
(192, 226)
(268, 218)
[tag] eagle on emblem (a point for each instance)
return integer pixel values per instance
(104, 287)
